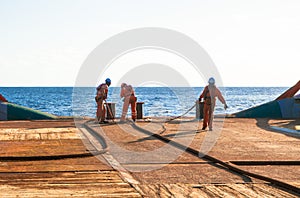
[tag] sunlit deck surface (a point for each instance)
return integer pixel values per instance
(52, 159)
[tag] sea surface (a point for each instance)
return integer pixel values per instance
(158, 101)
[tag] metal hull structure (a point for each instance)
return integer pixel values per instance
(285, 106)
(10, 111)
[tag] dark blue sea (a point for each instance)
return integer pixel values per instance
(158, 101)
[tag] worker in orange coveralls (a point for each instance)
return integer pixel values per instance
(102, 91)
(2, 99)
(127, 92)
(209, 95)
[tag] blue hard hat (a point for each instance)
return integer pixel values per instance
(211, 80)
(107, 81)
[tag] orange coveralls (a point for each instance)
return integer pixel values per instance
(127, 92)
(209, 94)
(102, 91)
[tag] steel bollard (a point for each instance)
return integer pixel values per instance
(199, 110)
(112, 107)
(139, 109)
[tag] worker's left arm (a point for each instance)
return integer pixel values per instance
(105, 92)
(221, 98)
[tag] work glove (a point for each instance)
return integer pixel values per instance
(225, 106)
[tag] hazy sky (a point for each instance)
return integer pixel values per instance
(252, 42)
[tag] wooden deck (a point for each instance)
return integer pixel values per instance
(70, 171)
(67, 177)
(190, 176)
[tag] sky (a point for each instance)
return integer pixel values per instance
(251, 42)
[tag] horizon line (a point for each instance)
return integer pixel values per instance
(139, 86)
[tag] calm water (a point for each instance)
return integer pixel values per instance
(159, 101)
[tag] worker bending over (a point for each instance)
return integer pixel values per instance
(127, 92)
(209, 95)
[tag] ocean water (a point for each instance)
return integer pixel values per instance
(158, 101)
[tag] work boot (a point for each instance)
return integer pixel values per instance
(203, 128)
